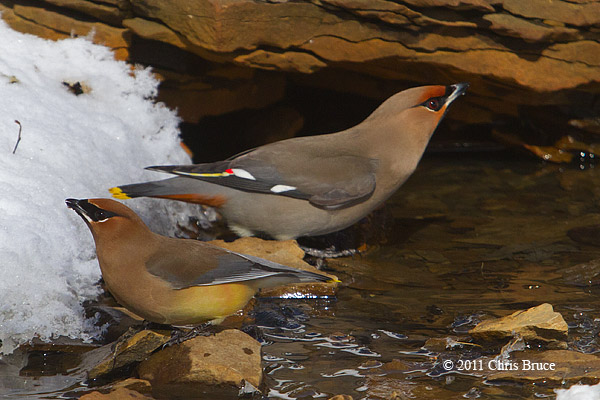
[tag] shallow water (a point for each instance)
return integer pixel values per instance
(468, 237)
(473, 237)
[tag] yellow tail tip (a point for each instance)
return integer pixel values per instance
(333, 280)
(118, 193)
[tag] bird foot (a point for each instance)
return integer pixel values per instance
(181, 334)
(329, 252)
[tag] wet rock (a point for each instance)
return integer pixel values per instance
(139, 385)
(584, 274)
(539, 323)
(228, 359)
(442, 345)
(131, 348)
(383, 387)
(118, 394)
(122, 388)
(585, 234)
(591, 124)
(287, 253)
(552, 365)
(61, 344)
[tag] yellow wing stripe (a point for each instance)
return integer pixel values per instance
(208, 175)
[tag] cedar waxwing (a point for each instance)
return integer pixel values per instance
(307, 186)
(175, 281)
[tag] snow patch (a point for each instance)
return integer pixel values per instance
(71, 146)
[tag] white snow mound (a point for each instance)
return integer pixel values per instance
(71, 146)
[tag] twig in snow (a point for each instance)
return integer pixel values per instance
(19, 138)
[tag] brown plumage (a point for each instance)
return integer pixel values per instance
(318, 184)
(175, 281)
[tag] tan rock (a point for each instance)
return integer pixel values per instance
(129, 349)
(115, 38)
(227, 358)
(585, 51)
(284, 252)
(286, 61)
(500, 64)
(509, 25)
(539, 323)
(138, 385)
(399, 14)
(585, 14)
(118, 394)
(152, 30)
(104, 12)
(481, 5)
(23, 25)
(341, 397)
(196, 97)
(488, 42)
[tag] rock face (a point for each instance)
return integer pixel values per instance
(228, 358)
(129, 350)
(516, 54)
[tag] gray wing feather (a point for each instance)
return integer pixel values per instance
(204, 264)
(321, 171)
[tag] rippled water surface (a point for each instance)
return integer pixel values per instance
(468, 237)
(472, 237)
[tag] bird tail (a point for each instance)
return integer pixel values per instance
(290, 274)
(125, 192)
(188, 190)
(307, 276)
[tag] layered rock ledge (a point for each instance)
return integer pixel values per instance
(219, 56)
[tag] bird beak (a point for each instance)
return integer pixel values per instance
(80, 206)
(458, 89)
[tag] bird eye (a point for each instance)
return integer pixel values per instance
(433, 104)
(100, 215)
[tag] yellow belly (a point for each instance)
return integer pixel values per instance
(204, 303)
(156, 301)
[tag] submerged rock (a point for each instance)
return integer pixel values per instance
(129, 349)
(539, 323)
(199, 365)
(584, 274)
(118, 394)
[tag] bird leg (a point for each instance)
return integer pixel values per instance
(330, 252)
(180, 333)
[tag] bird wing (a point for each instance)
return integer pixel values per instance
(187, 263)
(327, 178)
